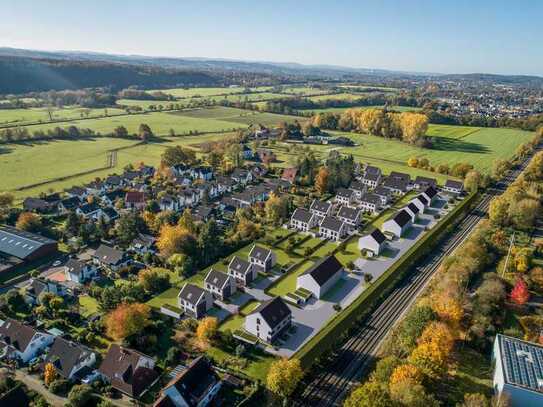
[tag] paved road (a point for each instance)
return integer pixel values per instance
(349, 363)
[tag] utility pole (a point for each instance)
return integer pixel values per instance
(508, 254)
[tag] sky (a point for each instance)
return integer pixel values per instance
(443, 36)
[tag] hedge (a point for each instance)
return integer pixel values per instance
(333, 331)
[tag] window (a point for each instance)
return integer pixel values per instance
(258, 321)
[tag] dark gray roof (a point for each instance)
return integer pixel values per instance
(331, 223)
(402, 218)
(381, 191)
(370, 169)
(75, 266)
(108, 255)
(423, 199)
(239, 265)
(348, 212)
(400, 175)
(16, 334)
(371, 198)
(21, 244)
(522, 362)
(324, 270)
(396, 183)
(357, 186)
(378, 236)
(64, 355)
(110, 213)
(302, 215)
(414, 208)
(89, 208)
(259, 253)
(76, 191)
(431, 192)
(273, 311)
(216, 278)
(425, 181)
(454, 184)
(373, 176)
(71, 203)
(191, 293)
(36, 204)
(345, 193)
(320, 206)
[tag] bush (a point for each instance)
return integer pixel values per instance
(59, 386)
(80, 395)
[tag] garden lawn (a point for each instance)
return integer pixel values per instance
(288, 284)
(87, 305)
(257, 368)
(167, 297)
(232, 323)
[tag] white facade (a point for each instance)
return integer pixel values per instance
(369, 243)
(257, 326)
(392, 227)
(307, 282)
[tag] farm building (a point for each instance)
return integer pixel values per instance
(269, 320)
(18, 247)
(373, 242)
(321, 277)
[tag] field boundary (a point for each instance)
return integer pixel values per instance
(342, 322)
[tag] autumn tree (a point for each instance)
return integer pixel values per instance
(321, 181)
(175, 239)
(524, 212)
(520, 294)
(498, 211)
(473, 181)
(6, 200)
(414, 126)
(29, 222)
(50, 374)
(283, 377)
(207, 329)
(154, 280)
(413, 162)
(433, 350)
(186, 221)
(370, 394)
(500, 168)
(276, 208)
(127, 320)
(178, 155)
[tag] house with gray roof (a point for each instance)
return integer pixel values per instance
(518, 371)
(421, 183)
(383, 193)
(372, 176)
(332, 228)
(398, 186)
(322, 276)
(413, 211)
(22, 342)
(430, 194)
(370, 203)
(453, 187)
(374, 242)
(344, 196)
(269, 320)
(321, 208)
(358, 189)
(90, 211)
(242, 271)
(399, 224)
(303, 220)
(262, 259)
(194, 300)
(70, 358)
(110, 258)
(219, 284)
(351, 216)
(79, 272)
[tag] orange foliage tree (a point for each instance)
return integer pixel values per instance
(520, 294)
(28, 221)
(127, 320)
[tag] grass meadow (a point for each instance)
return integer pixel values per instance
(19, 117)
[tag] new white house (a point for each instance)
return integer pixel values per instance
(518, 371)
(430, 194)
(412, 210)
(373, 242)
(370, 203)
(350, 216)
(220, 284)
(332, 228)
(262, 259)
(303, 220)
(21, 341)
(321, 277)
(421, 203)
(453, 187)
(344, 196)
(398, 225)
(79, 272)
(320, 208)
(194, 300)
(358, 189)
(269, 319)
(242, 271)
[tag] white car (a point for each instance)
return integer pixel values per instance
(57, 263)
(91, 378)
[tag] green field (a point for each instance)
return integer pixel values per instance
(59, 158)
(183, 93)
(18, 117)
(303, 90)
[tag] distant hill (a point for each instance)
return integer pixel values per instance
(22, 74)
(29, 70)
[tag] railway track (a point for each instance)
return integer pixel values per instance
(350, 361)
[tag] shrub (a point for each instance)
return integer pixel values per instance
(80, 395)
(59, 386)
